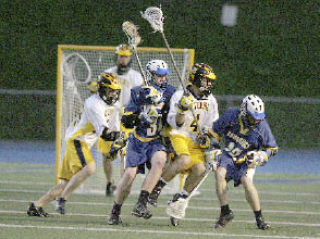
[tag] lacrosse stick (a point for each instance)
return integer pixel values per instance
(155, 17)
(134, 40)
(200, 183)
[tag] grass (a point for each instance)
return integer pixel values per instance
(292, 207)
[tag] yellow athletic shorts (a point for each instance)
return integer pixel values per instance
(76, 157)
(184, 145)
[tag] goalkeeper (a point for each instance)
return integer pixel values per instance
(129, 78)
(100, 117)
(248, 143)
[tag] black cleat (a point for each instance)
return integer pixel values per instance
(174, 221)
(141, 210)
(37, 212)
(224, 219)
(110, 189)
(261, 224)
(114, 219)
(61, 205)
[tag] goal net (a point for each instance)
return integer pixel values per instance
(78, 65)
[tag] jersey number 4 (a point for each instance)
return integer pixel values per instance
(194, 123)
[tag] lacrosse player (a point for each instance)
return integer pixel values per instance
(129, 78)
(145, 147)
(187, 135)
(249, 143)
(100, 118)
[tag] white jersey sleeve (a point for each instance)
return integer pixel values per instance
(171, 118)
(206, 112)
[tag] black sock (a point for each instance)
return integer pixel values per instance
(161, 183)
(143, 197)
(225, 209)
(116, 209)
(258, 213)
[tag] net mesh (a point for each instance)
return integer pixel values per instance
(79, 65)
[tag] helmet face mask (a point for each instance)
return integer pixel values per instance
(157, 72)
(252, 108)
(109, 95)
(109, 88)
(123, 58)
(203, 77)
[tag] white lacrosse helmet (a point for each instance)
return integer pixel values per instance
(254, 106)
(158, 67)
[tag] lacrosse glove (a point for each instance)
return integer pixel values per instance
(207, 141)
(150, 95)
(186, 102)
(256, 158)
(150, 116)
(212, 159)
(117, 145)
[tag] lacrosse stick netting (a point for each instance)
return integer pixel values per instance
(134, 40)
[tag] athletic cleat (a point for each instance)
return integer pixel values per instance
(38, 212)
(261, 224)
(110, 189)
(61, 205)
(141, 210)
(114, 219)
(174, 221)
(224, 219)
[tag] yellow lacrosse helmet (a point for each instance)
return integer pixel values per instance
(123, 50)
(109, 87)
(199, 70)
(109, 80)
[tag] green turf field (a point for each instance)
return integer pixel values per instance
(291, 203)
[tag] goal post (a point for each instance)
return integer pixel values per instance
(77, 65)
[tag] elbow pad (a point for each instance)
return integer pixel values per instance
(130, 120)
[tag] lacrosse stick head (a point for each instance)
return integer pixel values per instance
(132, 33)
(178, 208)
(155, 17)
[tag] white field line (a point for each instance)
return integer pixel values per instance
(267, 201)
(199, 208)
(202, 189)
(167, 218)
(236, 191)
(122, 230)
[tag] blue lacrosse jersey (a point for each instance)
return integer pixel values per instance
(138, 103)
(240, 137)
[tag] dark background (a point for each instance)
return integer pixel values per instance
(272, 51)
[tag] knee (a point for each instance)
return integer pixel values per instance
(199, 169)
(184, 160)
(130, 174)
(159, 160)
(91, 168)
(247, 184)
